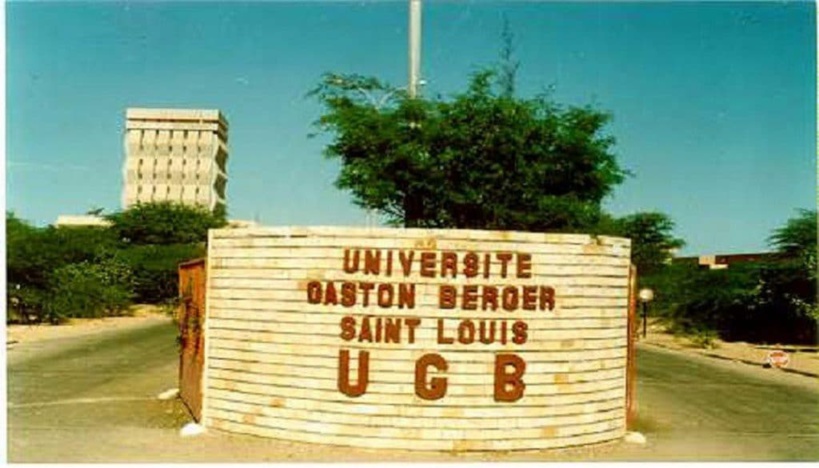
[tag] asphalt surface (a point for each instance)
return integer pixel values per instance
(94, 399)
(85, 398)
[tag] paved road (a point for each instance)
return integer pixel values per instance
(697, 408)
(93, 398)
(83, 398)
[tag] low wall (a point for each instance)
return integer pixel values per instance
(417, 339)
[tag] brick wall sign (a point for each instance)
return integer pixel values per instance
(417, 339)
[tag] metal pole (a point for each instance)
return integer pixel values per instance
(414, 47)
(645, 314)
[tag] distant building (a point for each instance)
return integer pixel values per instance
(716, 262)
(81, 220)
(177, 155)
(241, 223)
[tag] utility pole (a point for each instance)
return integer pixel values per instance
(414, 47)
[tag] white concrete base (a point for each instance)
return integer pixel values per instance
(635, 438)
(191, 429)
(169, 394)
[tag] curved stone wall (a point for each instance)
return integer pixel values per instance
(417, 339)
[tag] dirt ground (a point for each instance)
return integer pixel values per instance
(803, 359)
(140, 315)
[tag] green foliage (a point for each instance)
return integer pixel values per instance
(26, 304)
(797, 239)
(89, 290)
(706, 339)
(165, 223)
(762, 302)
(482, 159)
(715, 299)
(155, 269)
(60, 272)
(33, 253)
(652, 239)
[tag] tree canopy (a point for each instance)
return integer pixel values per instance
(652, 239)
(481, 159)
(798, 238)
(70, 271)
(164, 223)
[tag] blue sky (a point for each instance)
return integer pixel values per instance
(714, 104)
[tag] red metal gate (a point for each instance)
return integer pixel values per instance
(191, 319)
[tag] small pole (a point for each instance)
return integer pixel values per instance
(645, 317)
(414, 47)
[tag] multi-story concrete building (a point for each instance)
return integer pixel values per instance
(177, 155)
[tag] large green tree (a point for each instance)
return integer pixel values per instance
(164, 223)
(480, 159)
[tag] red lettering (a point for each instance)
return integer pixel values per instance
(547, 297)
(446, 296)
(347, 328)
(314, 292)
(372, 262)
(405, 258)
(406, 296)
(529, 301)
(469, 301)
(441, 338)
(344, 373)
(437, 385)
(471, 265)
(351, 264)
(524, 269)
(449, 263)
(504, 257)
(411, 324)
(428, 264)
(514, 379)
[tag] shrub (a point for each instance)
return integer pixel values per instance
(704, 338)
(155, 269)
(26, 304)
(89, 290)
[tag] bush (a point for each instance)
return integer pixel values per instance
(753, 302)
(26, 305)
(155, 269)
(89, 290)
(704, 338)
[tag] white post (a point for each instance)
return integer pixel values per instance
(414, 46)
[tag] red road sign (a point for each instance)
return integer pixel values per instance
(777, 358)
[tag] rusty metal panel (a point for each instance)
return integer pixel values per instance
(191, 318)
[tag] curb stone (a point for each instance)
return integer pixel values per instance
(744, 361)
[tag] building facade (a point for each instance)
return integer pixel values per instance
(81, 220)
(177, 155)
